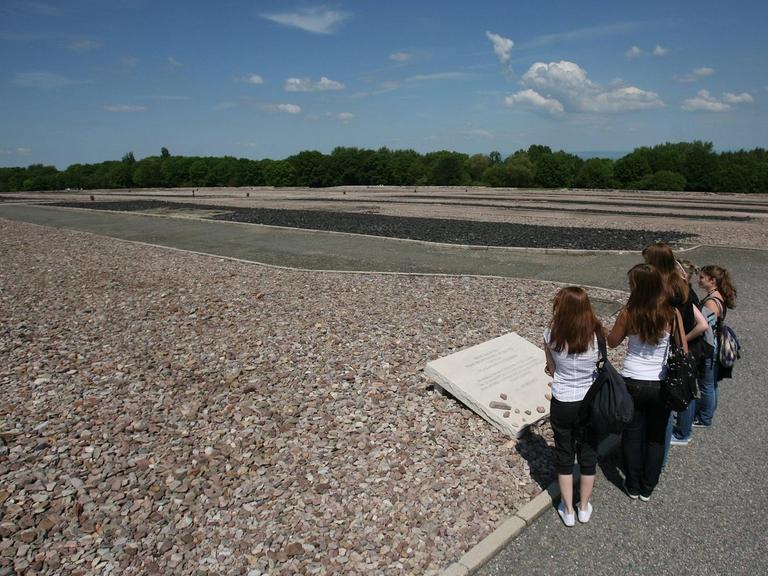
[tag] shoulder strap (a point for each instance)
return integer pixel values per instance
(721, 307)
(601, 346)
(677, 332)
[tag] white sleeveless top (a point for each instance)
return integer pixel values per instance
(646, 361)
(574, 373)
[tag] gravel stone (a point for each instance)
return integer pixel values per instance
(192, 427)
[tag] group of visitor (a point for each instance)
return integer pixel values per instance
(662, 305)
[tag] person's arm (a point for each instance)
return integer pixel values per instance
(701, 325)
(549, 369)
(713, 305)
(619, 330)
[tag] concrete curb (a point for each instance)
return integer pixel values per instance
(510, 528)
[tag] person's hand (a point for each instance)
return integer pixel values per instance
(548, 371)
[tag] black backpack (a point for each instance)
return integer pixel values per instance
(607, 407)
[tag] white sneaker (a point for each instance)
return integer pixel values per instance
(679, 441)
(568, 519)
(584, 515)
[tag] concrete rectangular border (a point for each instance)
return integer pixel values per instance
(510, 528)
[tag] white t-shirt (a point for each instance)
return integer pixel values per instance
(574, 373)
(646, 361)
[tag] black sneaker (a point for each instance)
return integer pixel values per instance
(630, 493)
(700, 424)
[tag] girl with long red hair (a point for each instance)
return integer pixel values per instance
(571, 347)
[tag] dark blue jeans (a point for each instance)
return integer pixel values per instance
(643, 439)
(707, 404)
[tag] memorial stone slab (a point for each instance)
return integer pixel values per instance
(502, 380)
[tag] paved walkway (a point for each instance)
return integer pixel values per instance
(709, 514)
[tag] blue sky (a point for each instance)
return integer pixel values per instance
(89, 80)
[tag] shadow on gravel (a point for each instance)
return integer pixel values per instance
(540, 456)
(446, 231)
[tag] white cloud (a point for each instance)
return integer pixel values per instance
(19, 151)
(400, 56)
(583, 34)
(250, 79)
(287, 108)
(704, 101)
(319, 20)
(502, 47)
(633, 52)
(83, 45)
(171, 98)
(532, 98)
(172, 62)
(41, 80)
(307, 85)
(435, 76)
(478, 133)
(659, 50)
(345, 117)
(696, 74)
(744, 97)
(566, 83)
(123, 108)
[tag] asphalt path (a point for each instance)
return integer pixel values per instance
(709, 514)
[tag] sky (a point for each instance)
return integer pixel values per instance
(84, 81)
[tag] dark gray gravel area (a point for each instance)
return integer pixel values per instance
(447, 231)
(709, 514)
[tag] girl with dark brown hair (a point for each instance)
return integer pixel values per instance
(570, 344)
(646, 322)
(721, 295)
(675, 280)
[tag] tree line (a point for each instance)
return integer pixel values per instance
(670, 166)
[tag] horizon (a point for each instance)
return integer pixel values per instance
(264, 80)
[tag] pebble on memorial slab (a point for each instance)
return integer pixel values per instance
(517, 410)
(500, 405)
(528, 412)
(540, 409)
(506, 414)
(503, 396)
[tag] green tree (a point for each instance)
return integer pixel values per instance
(278, 173)
(147, 173)
(629, 170)
(595, 173)
(128, 158)
(447, 169)
(557, 170)
(476, 165)
(164, 152)
(198, 172)
(663, 180)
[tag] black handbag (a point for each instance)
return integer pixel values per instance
(608, 406)
(679, 387)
